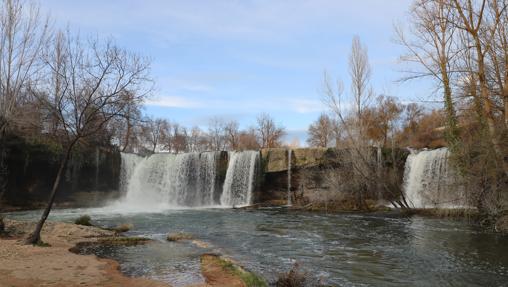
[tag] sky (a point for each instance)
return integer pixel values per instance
(238, 58)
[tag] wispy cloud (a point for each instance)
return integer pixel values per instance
(173, 102)
(304, 106)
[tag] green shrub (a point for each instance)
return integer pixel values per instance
(83, 220)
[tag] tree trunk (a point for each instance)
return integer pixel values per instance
(487, 106)
(35, 237)
(505, 96)
(127, 135)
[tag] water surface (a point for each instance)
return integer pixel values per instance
(340, 250)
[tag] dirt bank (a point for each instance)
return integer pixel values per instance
(56, 266)
(26, 266)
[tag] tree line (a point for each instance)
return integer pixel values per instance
(59, 87)
(150, 135)
(462, 46)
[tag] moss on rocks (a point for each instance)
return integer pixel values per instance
(219, 271)
(178, 236)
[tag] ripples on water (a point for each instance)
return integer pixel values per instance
(341, 250)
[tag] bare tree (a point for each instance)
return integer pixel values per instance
(94, 77)
(380, 121)
(360, 72)
(216, 133)
(472, 19)
(433, 48)
(232, 133)
(179, 139)
(154, 132)
(247, 140)
(23, 35)
(364, 172)
(321, 132)
(198, 141)
(269, 133)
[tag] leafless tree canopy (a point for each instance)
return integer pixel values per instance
(322, 132)
(23, 35)
(268, 132)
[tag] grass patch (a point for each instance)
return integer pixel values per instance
(40, 243)
(123, 241)
(250, 279)
(84, 220)
(177, 236)
(120, 228)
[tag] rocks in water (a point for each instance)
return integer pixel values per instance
(502, 224)
(294, 278)
(122, 228)
(220, 271)
(178, 236)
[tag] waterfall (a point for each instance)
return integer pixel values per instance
(127, 167)
(240, 176)
(289, 177)
(186, 180)
(169, 180)
(429, 182)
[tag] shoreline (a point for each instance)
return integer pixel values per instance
(55, 265)
(60, 264)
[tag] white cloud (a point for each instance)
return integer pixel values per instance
(304, 106)
(173, 102)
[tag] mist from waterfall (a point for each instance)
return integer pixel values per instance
(240, 177)
(164, 181)
(430, 182)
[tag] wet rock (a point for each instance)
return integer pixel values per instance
(178, 236)
(502, 224)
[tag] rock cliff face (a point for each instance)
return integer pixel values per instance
(314, 170)
(276, 160)
(91, 176)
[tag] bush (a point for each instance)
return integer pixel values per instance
(83, 220)
(294, 278)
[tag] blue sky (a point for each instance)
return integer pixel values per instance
(236, 59)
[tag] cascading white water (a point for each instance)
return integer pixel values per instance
(240, 176)
(429, 182)
(289, 177)
(168, 180)
(128, 165)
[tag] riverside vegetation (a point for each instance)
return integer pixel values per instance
(72, 124)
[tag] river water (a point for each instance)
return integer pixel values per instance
(338, 249)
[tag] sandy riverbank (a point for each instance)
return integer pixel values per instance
(26, 266)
